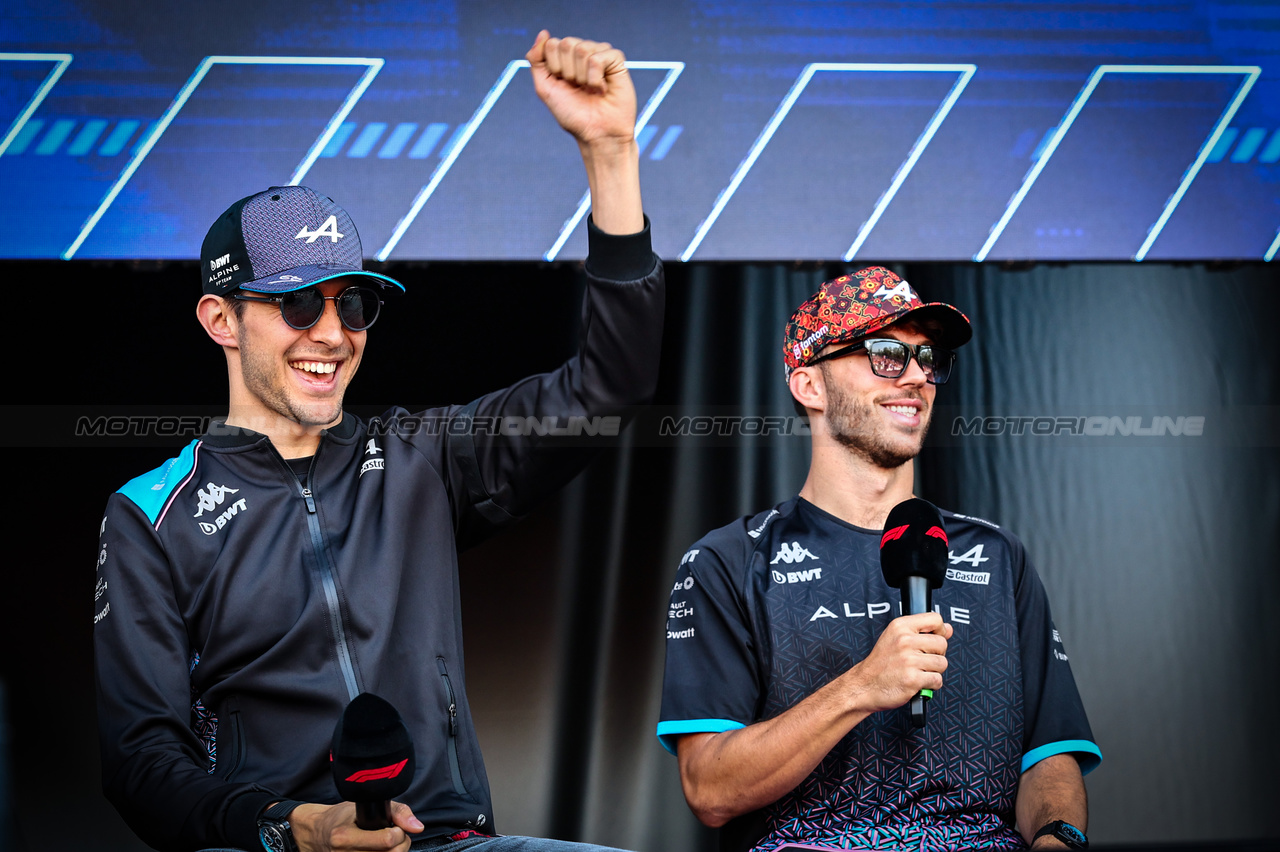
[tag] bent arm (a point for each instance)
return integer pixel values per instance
(154, 769)
(587, 88)
(1051, 789)
(555, 422)
(728, 774)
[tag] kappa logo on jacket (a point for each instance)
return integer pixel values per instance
(211, 496)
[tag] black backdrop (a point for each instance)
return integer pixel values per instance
(1160, 553)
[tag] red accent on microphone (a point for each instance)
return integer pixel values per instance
(893, 534)
(938, 532)
(374, 774)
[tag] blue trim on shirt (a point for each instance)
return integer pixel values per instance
(1088, 754)
(668, 731)
(152, 489)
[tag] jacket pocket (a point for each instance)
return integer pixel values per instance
(455, 770)
(229, 747)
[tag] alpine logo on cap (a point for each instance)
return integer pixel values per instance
(903, 290)
(328, 229)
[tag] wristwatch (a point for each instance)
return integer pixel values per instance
(273, 827)
(1066, 832)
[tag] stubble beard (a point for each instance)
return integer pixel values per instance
(258, 371)
(856, 426)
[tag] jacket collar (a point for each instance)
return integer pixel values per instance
(221, 435)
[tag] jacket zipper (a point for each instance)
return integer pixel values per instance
(454, 769)
(330, 586)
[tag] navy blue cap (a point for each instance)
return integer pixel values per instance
(283, 239)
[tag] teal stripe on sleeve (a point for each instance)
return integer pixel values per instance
(1088, 754)
(152, 489)
(669, 731)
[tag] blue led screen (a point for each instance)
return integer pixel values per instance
(769, 130)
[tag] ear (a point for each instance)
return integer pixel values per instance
(219, 320)
(808, 389)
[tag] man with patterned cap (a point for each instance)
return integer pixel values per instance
(296, 557)
(787, 670)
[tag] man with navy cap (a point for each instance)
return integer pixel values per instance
(297, 556)
(787, 671)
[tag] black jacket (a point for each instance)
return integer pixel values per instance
(239, 609)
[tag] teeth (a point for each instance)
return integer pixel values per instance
(902, 409)
(322, 367)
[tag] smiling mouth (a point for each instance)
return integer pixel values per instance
(320, 368)
(904, 410)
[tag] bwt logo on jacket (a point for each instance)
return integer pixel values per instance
(210, 497)
(797, 576)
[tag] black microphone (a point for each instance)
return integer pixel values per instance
(372, 759)
(913, 557)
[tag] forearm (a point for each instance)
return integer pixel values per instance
(1052, 789)
(732, 773)
(728, 774)
(613, 174)
(171, 805)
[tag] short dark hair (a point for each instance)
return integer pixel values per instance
(930, 328)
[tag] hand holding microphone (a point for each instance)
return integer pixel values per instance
(913, 557)
(372, 759)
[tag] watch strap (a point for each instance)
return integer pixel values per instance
(274, 831)
(1073, 837)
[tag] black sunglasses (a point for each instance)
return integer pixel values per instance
(889, 358)
(358, 306)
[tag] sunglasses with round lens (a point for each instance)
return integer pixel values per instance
(889, 358)
(358, 307)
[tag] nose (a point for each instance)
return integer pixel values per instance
(328, 329)
(914, 375)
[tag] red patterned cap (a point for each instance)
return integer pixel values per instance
(851, 307)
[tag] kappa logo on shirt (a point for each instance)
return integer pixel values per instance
(791, 554)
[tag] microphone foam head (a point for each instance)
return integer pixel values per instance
(372, 757)
(914, 544)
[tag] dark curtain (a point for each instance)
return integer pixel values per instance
(1160, 553)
